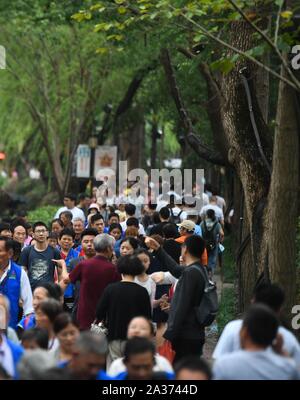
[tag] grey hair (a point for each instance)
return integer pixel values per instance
(78, 219)
(34, 363)
(90, 342)
(103, 242)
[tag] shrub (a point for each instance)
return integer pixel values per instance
(45, 214)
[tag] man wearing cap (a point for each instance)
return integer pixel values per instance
(186, 229)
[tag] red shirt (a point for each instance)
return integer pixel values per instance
(94, 275)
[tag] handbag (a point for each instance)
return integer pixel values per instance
(99, 328)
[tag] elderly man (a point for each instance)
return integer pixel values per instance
(14, 282)
(94, 275)
(10, 353)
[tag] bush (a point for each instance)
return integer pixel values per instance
(229, 269)
(45, 214)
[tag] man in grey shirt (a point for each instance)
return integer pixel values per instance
(272, 296)
(254, 361)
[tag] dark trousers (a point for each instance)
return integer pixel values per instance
(187, 347)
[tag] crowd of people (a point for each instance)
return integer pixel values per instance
(112, 288)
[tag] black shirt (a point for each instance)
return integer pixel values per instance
(119, 303)
(173, 248)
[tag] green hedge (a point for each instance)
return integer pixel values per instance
(45, 214)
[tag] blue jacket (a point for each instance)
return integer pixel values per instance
(17, 353)
(11, 288)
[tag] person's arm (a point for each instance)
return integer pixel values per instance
(221, 233)
(228, 341)
(175, 269)
(26, 294)
(102, 306)
(163, 278)
(154, 303)
(24, 258)
(63, 275)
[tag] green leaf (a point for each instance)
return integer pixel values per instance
(122, 10)
(223, 65)
(286, 14)
(104, 26)
(96, 7)
(198, 37)
(102, 50)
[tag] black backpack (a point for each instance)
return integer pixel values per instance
(210, 237)
(175, 218)
(207, 310)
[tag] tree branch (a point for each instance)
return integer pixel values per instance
(268, 40)
(194, 141)
(133, 88)
(296, 85)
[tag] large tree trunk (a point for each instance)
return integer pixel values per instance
(244, 153)
(284, 194)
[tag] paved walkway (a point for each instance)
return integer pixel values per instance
(212, 337)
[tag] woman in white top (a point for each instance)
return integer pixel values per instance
(46, 313)
(144, 279)
(140, 327)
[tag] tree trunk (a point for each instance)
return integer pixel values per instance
(153, 145)
(245, 156)
(284, 194)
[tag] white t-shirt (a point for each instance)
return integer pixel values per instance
(53, 345)
(229, 341)
(221, 202)
(76, 212)
(149, 285)
(141, 228)
(205, 199)
(255, 365)
(218, 212)
(161, 365)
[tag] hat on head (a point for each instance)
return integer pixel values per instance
(187, 224)
(94, 205)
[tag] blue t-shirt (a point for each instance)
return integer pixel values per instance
(39, 265)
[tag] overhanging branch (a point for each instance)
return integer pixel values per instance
(194, 141)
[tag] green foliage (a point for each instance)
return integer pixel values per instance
(227, 310)
(32, 191)
(45, 214)
(229, 271)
